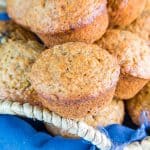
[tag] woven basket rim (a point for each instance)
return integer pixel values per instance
(78, 128)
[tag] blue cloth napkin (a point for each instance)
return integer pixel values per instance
(3, 16)
(17, 134)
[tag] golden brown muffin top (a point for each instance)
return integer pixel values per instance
(11, 31)
(55, 16)
(16, 58)
(132, 52)
(139, 103)
(74, 71)
(141, 26)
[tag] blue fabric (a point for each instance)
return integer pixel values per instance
(4, 16)
(17, 134)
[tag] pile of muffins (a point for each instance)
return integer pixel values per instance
(83, 59)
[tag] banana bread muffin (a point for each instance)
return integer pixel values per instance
(139, 104)
(16, 59)
(75, 78)
(141, 26)
(133, 54)
(123, 12)
(113, 113)
(57, 22)
(11, 31)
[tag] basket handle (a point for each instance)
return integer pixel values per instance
(96, 137)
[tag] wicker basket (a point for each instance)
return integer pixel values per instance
(80, 129)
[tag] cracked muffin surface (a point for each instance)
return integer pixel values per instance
(16, 59)
(72, 73)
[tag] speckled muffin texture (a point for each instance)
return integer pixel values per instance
(57, 22)
(73, 76)
(133, 54)
(138, 104)
(111, 114)
(123, 12)
(16, 59)
(141, 26)
(11, 31)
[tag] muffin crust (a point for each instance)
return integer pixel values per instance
(16, 59)
(133, 54)
(88, 33)
(59, 16)
(74, 73)
(141, 26)
(123, 12)
(58, 22)
(134, 85)
(139, 104)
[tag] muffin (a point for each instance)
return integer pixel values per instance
(113, 113)
(73, 79)
(141, 26)
(123, 12)
(57, 22)
(11, 31)
(147, 6)
(16, 59)
(133, 54)
(139, 104)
